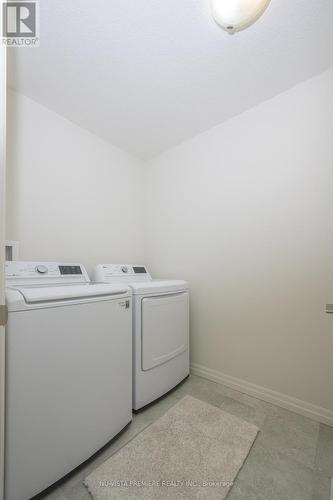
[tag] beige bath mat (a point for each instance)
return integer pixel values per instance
(194, 451)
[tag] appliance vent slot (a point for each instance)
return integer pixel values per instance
(329, 308)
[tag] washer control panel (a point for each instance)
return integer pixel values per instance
(20, 272)
(125, 273)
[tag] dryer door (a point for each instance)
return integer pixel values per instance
(164, 329)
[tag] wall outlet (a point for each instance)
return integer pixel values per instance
(12, 250)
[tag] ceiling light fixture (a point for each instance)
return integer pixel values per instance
(236, 15)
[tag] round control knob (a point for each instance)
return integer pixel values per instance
(124, 269)
(41, 269)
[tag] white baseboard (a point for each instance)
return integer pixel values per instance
(309, 410)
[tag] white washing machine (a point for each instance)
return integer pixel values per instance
(68, 371)
(160, 330)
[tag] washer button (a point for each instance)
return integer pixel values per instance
(41, 269)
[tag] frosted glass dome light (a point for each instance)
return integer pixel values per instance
(236, 15)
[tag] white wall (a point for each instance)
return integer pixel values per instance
(71, 196)
(244, 212)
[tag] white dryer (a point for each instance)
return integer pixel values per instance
(68, 371)
(160, 330)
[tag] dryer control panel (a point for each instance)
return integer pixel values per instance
(121, 273)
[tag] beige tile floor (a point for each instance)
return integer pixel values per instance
(292, 458)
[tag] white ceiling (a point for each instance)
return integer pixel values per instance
(148, 74)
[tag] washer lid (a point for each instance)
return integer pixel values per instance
(159, 287)
(34, 295)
